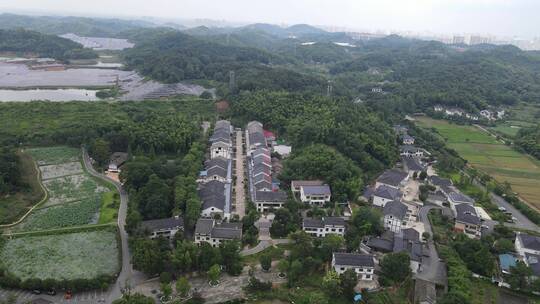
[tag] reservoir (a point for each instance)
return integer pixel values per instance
(48, 94)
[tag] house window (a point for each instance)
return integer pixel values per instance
(342, 268)
(368, 276)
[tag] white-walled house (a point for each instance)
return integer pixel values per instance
(220, 149)
(116, 161)
(528, 250)
(214, 233)
(296, 185)
(323, 227)
(166, 228)
(362, 264)
(394, 216)
(268, 200)
(467, 220)
(315, 195)
(408, 140)
(384, 194)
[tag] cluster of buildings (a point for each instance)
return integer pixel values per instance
(214, 232)
(312, 192)
(262, 169)
(215, 182)
(487, 114)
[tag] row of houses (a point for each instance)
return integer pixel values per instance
(468, 218)
(263, 184)
(215, 182)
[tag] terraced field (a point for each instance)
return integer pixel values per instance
(493, 157)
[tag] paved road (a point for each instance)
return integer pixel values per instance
(240, 198)
(522, 222)
(263, 245)
(432, 270)
(127, 276)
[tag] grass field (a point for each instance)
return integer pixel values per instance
(491, 156)
(54, 155)
(14, 206)
(64, 256)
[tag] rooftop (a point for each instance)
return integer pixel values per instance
(530, 241)
(467, 214)
(320, 223)
(395, 208)
(354, 259)
(163, 224)
(324, 190)
(300, 183)
(270, 196)
(439, 181)
(460, 197)
(392, 177)
(387, 192)
(118, 158)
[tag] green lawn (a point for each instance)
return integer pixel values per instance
(54, 155)
(109, 207)
(80, 255)
(484, 152)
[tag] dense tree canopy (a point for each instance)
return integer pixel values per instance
(21, 41)
(10, 171)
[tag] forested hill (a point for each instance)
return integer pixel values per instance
(528, 139)
(94, 27)
(29, 42)
(428, 73)
(174, 56)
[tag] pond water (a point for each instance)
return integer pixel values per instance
(46, 94)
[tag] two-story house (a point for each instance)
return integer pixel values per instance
(467, 220)
(392, 178)
(214, 233)
(528, 250)
(166, 228)
(362, 264)
(395, 214)
(384, 194)
(323, 227)
(315, 195)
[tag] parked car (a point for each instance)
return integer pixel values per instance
(502, 209)
(51, 292)
(36, 291)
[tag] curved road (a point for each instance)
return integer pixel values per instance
(125, 278)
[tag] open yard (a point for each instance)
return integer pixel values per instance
(54, 155)
(62, 256)
(72, 188)
(491, 156)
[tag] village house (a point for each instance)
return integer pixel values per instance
(323, 227)
(116, 161)
(413, 166)
(214, 233)
(166, 228)
(221, 143)
(255, 136)
(296, 185)
(215, 197)
(269, 200)
(439, 182)
(384, 194)
(315, 195)
(411, 151)
(362, 264)
(407, 139)
(392, 178)
(456, 197)
(467, 220)
(408, 240)
(395, 213)
(528, 250)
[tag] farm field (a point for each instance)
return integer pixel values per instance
(491, 156)
(12, 207)
(75, 197)
(80, 255)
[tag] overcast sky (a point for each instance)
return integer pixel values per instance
(499, 17)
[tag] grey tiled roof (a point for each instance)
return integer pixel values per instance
(204, 226)
(217, 171)
(395, 208)
(118, 158)
(380, 244)
(217, 162)
(310, 222)
(530, 241)
(354, 259)
(460, 197)
(227, 231)
(298, 183)
(212, 194)
(439, 181)
(162, 224)
(413, 164)
(392, 177)
(467, 214)
(270, 196)
(534, 263)
(324, 189)
(410, 234)
(320, 223)
(387, 192)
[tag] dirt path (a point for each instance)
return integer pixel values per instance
(240, 198)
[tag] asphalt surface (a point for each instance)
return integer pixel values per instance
(432, 269)
(127, 277)
(522, 222)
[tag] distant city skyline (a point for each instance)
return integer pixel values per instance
(516, 18)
